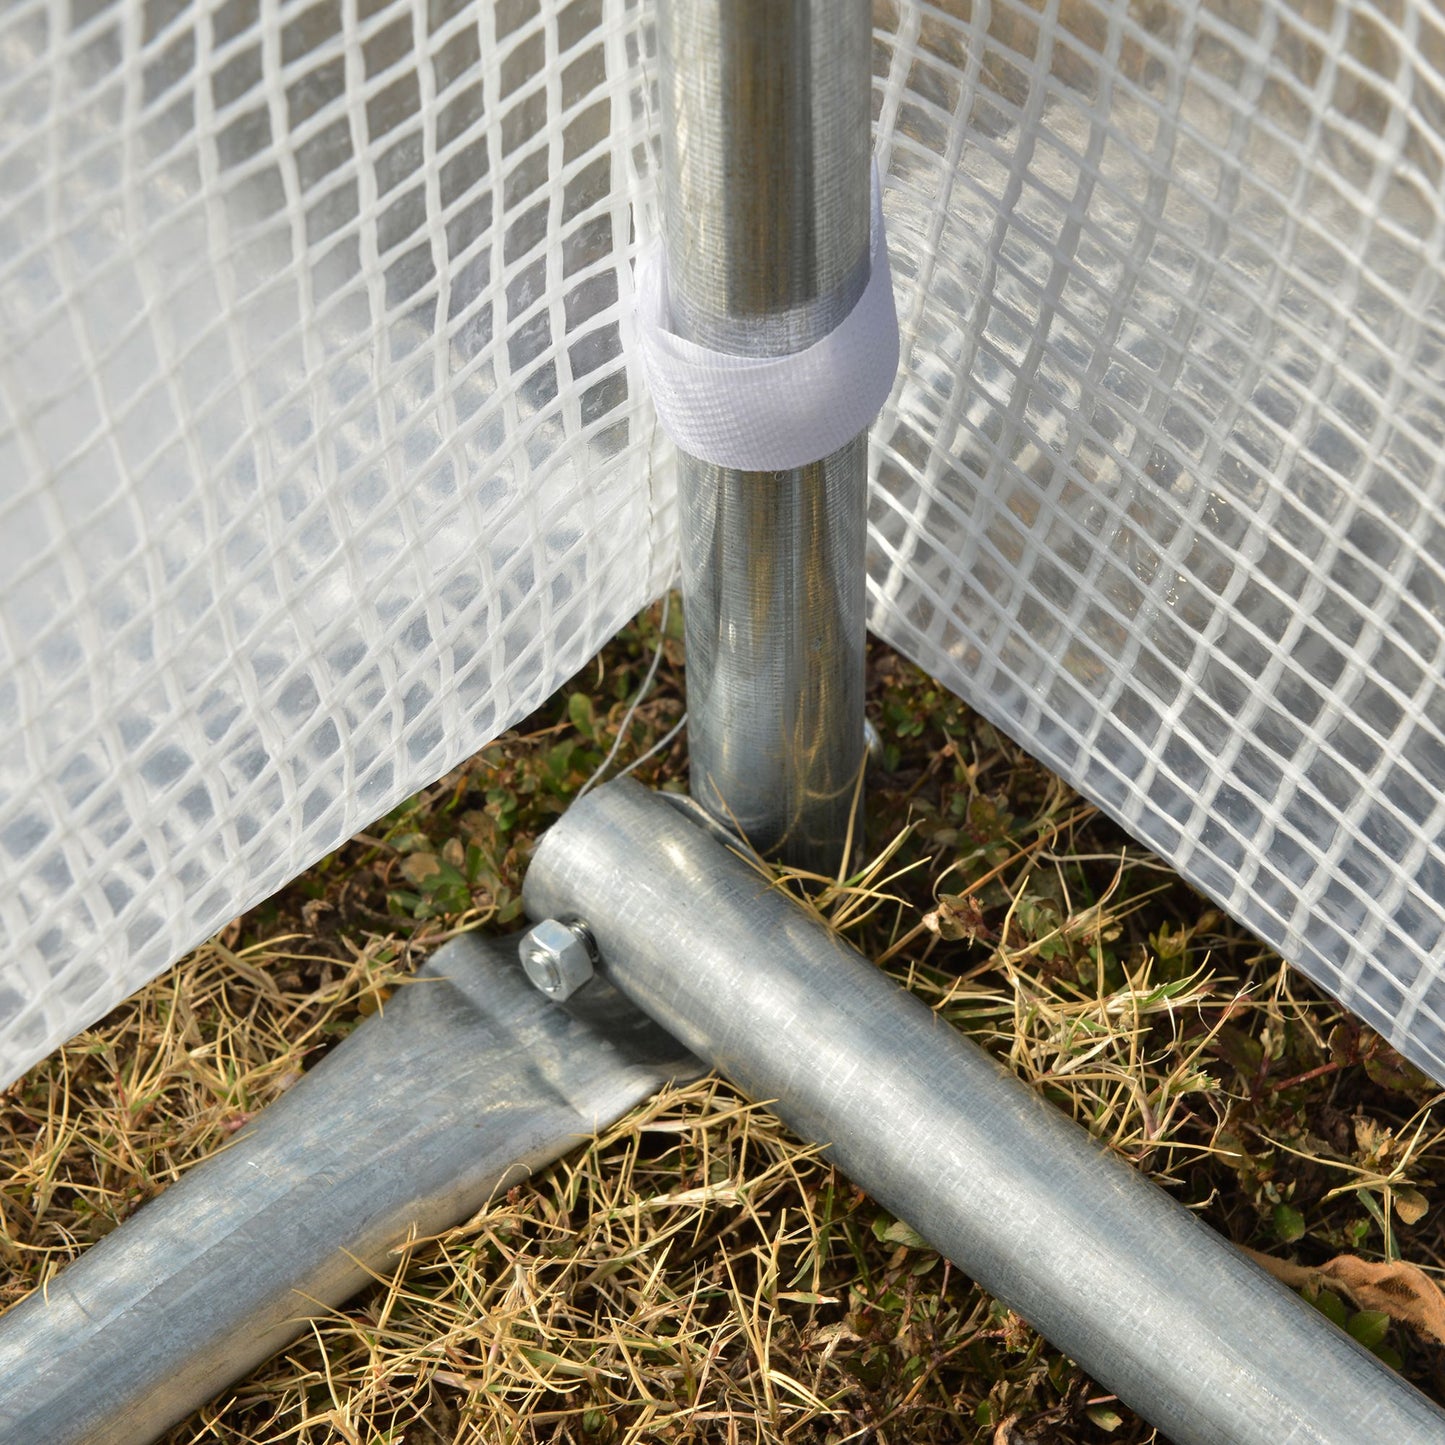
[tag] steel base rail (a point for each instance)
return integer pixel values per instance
(1147, 1299)
(469, 1081)
(766, 138)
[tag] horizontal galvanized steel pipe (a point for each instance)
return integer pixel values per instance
(469, 1081)
(1146, 1298)
(766, 138)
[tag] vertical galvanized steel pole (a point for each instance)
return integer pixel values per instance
(766, 126)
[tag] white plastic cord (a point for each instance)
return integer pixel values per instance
(632, 709)
(657, 747)
(763, 414)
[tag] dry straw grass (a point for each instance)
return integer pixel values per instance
(696, 1273)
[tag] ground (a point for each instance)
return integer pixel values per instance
(697, 1273)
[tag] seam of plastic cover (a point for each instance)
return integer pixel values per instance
(763, 414)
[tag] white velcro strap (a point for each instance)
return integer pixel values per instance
(764, 414)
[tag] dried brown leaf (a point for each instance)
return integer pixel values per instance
(958, 918)
(1411, 1205)
(418, 867)
(1402, 1291)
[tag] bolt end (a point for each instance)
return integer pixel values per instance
(557, 957)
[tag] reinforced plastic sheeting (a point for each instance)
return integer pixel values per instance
(324, 454)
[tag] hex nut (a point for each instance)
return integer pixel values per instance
(557, 957)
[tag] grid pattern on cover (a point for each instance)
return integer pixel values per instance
(1160, 488)
(319, 460)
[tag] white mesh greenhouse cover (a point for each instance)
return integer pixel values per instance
(322, 458)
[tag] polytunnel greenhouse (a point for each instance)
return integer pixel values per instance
(367, 366)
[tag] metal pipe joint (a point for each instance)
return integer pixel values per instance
(1152, 1303)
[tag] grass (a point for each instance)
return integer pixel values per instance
(696, 1273)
